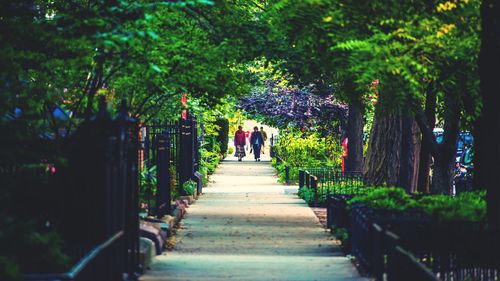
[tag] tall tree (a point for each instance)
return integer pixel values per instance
(306, 31)
(411, 44)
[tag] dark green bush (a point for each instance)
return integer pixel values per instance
(223, 134)
(342, 234)
(388, 198)
(27, 250)
(299, 150)
(467, 206)
(307, 194)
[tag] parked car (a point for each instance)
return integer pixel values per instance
(465, 140)
(464, 164)
(464, 170)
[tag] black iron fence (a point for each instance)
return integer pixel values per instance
(171, 156)
(410, 245)
(148, 142)
(324, 182)
(159, 150)
(94, 188)
(100, 263)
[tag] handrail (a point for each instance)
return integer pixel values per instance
(77, 268)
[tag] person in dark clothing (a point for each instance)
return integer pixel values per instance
(257, 142)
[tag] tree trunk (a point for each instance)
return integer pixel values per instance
(410, 150)
(417, 146)
(442, 177)
(355, 123)
(384, 150)
(444, 161)
(487, 141)
(425, 152)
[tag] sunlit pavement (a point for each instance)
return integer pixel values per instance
(245, 227)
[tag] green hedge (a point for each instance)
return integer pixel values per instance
(467, 206)
(223, 137)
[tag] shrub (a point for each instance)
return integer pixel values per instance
(307, 194)
(26, 249)
(467, 206)
(300, 150)
(223, 134)
(189, 187)
(342, 234)
(209, 161)
(388, 198)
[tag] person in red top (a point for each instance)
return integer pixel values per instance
(247, 136)
(239, 143)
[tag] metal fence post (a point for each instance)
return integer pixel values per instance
(186, 153)
(301, 178)
(132, 205)
(163, 200)
(314, 186)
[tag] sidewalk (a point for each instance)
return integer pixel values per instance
(246, 228)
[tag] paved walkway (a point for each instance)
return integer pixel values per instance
(245, 227)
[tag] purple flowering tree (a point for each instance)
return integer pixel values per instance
(294, 107)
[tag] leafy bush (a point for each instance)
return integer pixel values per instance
(230, 150)
(223, 134)
(300, 150)
(189, 187)
(467, 206)
(307, 194)
(388, 198)
(27, 250)
(209, 161)
(342, 234)
(148, 187)
(280, 168)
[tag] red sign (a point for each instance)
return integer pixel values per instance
(184, 114)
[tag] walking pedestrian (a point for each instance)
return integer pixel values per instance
(257, 142)
(247, 137)
(239, 143)
(264, 137)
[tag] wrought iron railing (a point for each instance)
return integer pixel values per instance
(100, 263)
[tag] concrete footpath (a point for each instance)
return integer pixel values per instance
(247, 227)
